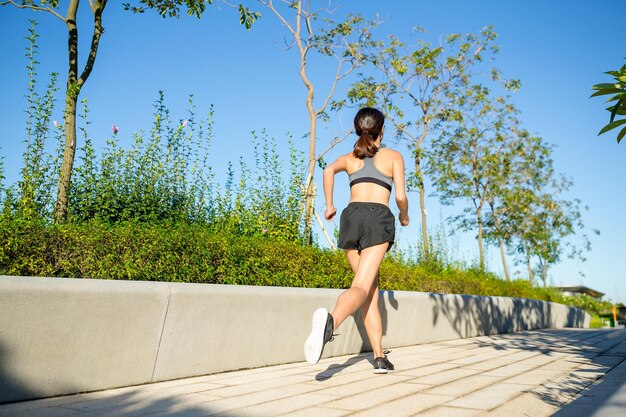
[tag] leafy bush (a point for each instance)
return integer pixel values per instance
(175, 252)
(183, 252)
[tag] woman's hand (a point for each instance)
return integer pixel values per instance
(330, 213)
(404, 220)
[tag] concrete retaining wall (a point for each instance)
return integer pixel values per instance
(61, 336)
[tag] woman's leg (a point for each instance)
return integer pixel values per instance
(373, 322)
(363, 283)
(369, 309)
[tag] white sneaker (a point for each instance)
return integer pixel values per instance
(321, 333)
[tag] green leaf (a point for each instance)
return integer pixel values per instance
(618, 96)
(622, 78)
(603, 86)
(607, 91)
(621, 110)
(615, 109)
(612, 125)
(621, 135)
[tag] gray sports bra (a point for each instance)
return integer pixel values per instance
(369, 173)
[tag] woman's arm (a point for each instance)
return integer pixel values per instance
(398, 182)
(329, 182)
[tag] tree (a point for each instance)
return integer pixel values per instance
(618, 91)
(529, 168)
(76, 79)
(472, 159)
(342, 41)
(552, 221)
(413, 84)
(535, 217)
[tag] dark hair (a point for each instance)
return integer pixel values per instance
(368, 124)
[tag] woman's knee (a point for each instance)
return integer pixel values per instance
(360, 292)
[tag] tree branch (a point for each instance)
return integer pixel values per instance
(334, 143)
(95, 41)
(335, 82)
(33, 7)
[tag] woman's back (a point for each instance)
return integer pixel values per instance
(371, 190)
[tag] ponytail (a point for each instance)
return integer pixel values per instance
(368, 124)
(364, 146)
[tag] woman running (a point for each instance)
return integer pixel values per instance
(366, 232)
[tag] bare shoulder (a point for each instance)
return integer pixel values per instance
(390, 154)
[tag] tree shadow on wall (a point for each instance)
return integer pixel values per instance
(471, 316)
(11, 387)
(366, 346)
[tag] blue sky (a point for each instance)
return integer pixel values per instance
(558, 49)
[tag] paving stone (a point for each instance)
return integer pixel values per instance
(445, 376)
(285, 405)
(463, 386)
(163, 405)
(47, 412)
(525, 405)
(26, 407)
(423, 371)
(405, 406)
(250, 387)
(445, 411)
(318, 412)
(490, 397)
(511, 370)
(363, 385)
(375, 398)
(525, 374)
(533, 377)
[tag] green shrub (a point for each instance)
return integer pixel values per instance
(181, 252)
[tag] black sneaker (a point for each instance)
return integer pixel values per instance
(382, 365)
(321, 333)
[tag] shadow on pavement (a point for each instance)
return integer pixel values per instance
(594, 352)
(129, 403)
(366, 346)
(597, 356)
(335, 368)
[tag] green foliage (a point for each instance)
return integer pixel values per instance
(161, 177)
(596, 322)
(172, 8)
(165, 251)
(589, 304)
(39, 173)
(164, 176)
(179, 252)
(617, 92)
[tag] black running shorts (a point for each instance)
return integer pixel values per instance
(366, 224)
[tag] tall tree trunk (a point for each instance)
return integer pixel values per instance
(310, 191)
(531, 275)
(71, 97)
(420, 185)
(60, 212)
(422, 191)
(544, 273)
(74, 85)
(500, 243)
(503, 255)
(481, 253)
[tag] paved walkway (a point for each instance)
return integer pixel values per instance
(536, 373)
